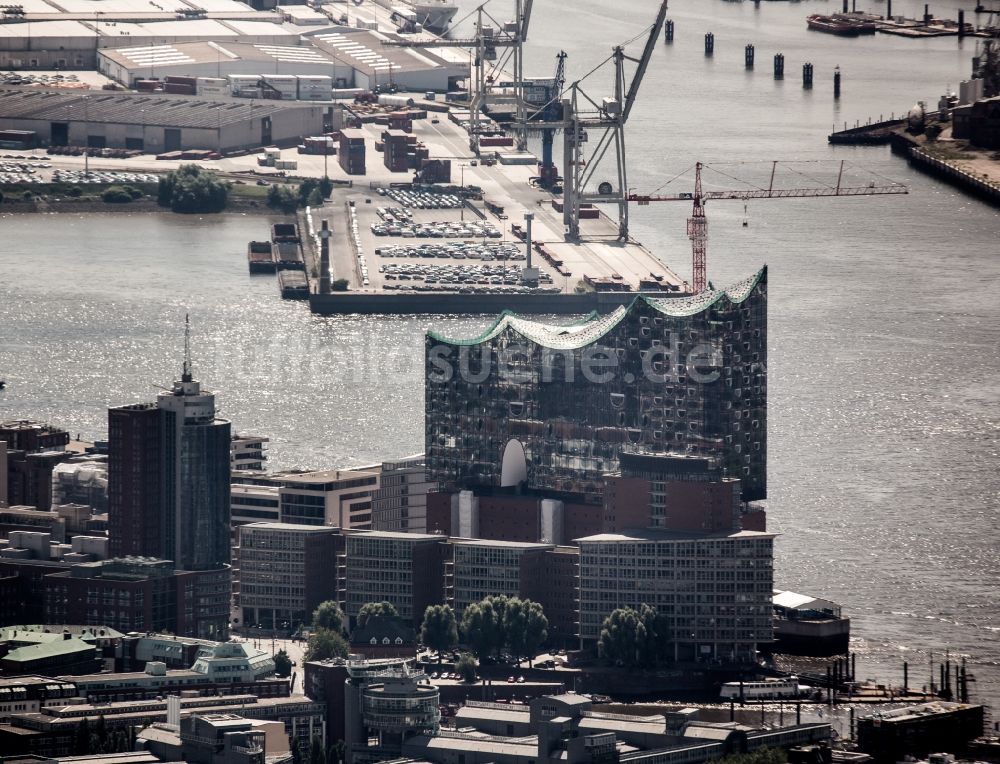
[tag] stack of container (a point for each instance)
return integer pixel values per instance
(395, 150)
(148, 86)
(319, 144)
(495, 140)
(400, 120)
(244, 85)
(352, 151)
(212, 86)
(314, 87)
(180, 85)
(284, 87)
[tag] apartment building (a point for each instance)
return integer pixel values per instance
(716, 589)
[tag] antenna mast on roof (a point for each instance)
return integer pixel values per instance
(186, 374)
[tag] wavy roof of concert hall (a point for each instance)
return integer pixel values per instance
(590, 328)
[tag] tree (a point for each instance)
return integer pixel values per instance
(282, 663)
(116, 195)
(316, 753)
(376, 610)
(81, 742)
(466, 666)
(325, 644)
(439, 630)
(315, 198)
(329, 616)
(296, 753)
(619, 637)
(339, 285)
(526, 628)
(282, 197)
(635, 637)
(192, 189)
(335, 753)
(480, 628)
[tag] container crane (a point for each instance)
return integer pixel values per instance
(551, 114)
(582, 114)
(490, 35)
(697, 224)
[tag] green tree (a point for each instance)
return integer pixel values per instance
(101, 734)
(760, 756)
(335, 753)
(329, 616)
(526, 628)
(316, 753)
(466, 666)
(315, 198)
(293, 744)
(116, 195)
(325, 644)
(376, 609)
(189, 189)
(440, 629)
(620, 637)
(282, 663)
(81, 741)
(339, 285)
(656, 627)
(480, 628)
(282, 197)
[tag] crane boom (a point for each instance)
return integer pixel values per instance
(697, 224)
(643, 61)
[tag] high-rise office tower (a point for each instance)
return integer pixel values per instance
(168, 485)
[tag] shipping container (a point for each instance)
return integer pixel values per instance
(395, 100)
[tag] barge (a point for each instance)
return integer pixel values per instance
(805, 625)
(833, 25)
(260, 257)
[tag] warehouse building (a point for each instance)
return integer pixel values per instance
(158, 123)
(352, 58)
(67, 43)
(220, 59)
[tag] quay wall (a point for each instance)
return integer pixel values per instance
(951, 173)
(469, 304)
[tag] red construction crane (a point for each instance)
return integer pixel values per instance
(697, 224)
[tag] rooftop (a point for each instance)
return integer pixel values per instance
(135, 109)
(655, 534)
(500, 544)
(290, 527)
(588, 330)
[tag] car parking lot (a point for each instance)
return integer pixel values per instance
(102, 176)
(21, 171)
(421, 199)
(454, 251)
(396, 221)
(426, 277)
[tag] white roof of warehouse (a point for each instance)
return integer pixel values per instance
(40, 29)
(794, 601)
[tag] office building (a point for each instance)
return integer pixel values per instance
(129, 594)
(342, 498)
(400, 503)
(406, 569)
(286, 571)
(31, 450)
(168, 480)
(552, 408)
(483, 568)
(247, 452)
(715, 589)
(393, 704)
(673, 491)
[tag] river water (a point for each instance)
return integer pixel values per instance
(884, 316)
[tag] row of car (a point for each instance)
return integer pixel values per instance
(455, 251)
(394, 214)
(453, 230)
(471, 289)
(422, 200)
(19, 172)
(102, 176)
